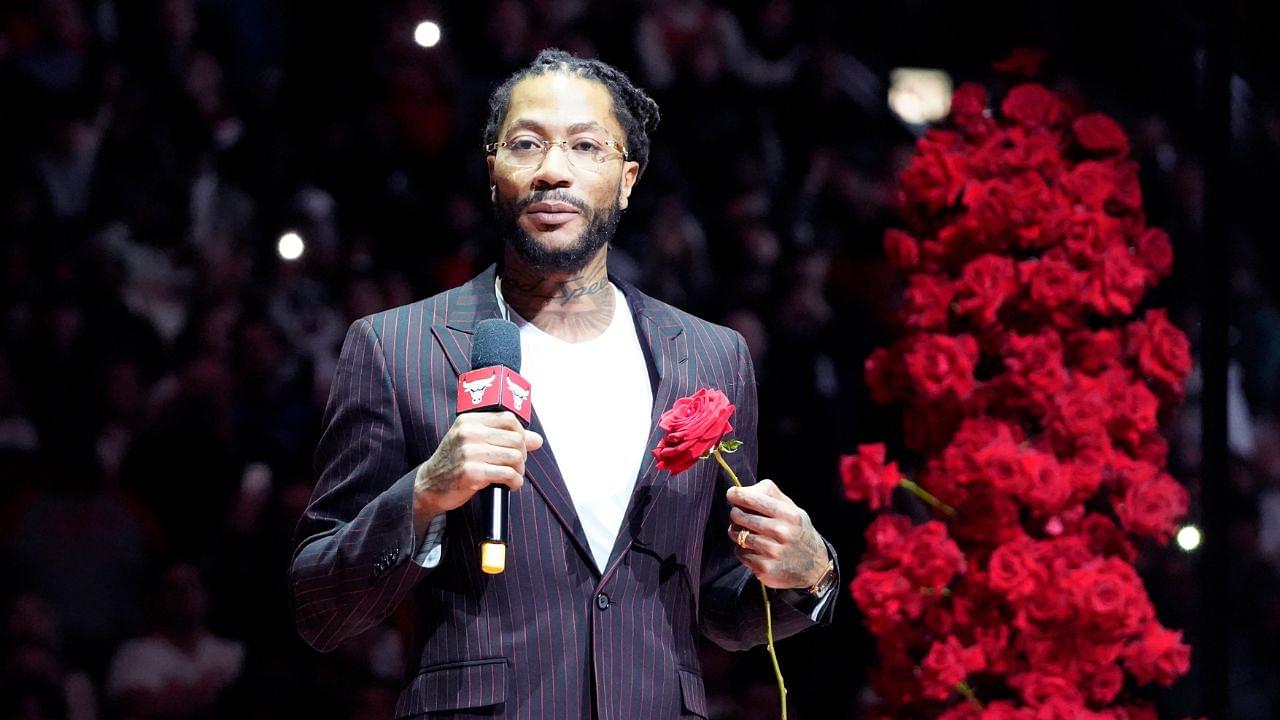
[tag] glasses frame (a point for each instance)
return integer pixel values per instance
(619, 149)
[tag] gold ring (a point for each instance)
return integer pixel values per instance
(742, 538)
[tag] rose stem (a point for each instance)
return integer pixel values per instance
(764, 594)
(928, 497)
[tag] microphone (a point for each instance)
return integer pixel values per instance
(493, 386)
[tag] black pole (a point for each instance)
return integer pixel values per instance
(1211, 653)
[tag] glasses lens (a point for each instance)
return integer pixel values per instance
(583, 153)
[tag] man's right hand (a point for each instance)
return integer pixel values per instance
(480, 449)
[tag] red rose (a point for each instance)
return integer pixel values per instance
(1105, 539)
(1013, 571)
(1086, 235)
(1104, 684)
(882, 377)
(1090, 183)
(1161, 350)
(1053, 289)
(1034, 106)
(694, 425)
(1153, 508)
(936, 175)
(947, 665)
(1047, 491)
(969, 110)
(1037, 688)
(1133, 409)
(1115, 284)
(1158, 655)
(940, 367)
(927, 302)
(1094, 351)
(984, 286)
(902, 249)
(886, 599)
(1125, 200)
(930, 557)
(1021, 61)
(1155, 252)
(866, 476)
(1098, 133)
(1033, 368)
(1079, 415)
(884, 537)
(1109, 596)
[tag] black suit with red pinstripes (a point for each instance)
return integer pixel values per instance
(552, 638)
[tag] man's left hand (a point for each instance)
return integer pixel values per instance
(780, 545)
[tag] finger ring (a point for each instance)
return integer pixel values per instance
(742, 537)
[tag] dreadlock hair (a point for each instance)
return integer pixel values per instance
(635, 110)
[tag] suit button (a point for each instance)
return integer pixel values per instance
(602, 601)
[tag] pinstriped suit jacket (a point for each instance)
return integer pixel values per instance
(552, 638)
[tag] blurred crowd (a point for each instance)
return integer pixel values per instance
(163, 369)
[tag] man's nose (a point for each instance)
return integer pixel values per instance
(555, 170)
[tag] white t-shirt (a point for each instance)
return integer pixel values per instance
(149, 663)
(595, 404)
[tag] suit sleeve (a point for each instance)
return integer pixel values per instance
(352, 562)
(732, 610)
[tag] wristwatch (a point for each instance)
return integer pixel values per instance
(825, 582)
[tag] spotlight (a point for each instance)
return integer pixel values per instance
(290, 246)
(1189, 537)
(919, 96)
(426, 34)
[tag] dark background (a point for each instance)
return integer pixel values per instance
(163, 371)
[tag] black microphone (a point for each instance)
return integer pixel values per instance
(495, 385)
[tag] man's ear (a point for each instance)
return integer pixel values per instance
(630, 173)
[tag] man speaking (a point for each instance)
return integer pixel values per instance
(611, 565)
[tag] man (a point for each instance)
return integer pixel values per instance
(613, 565)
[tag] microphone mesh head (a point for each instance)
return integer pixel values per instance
(496, 342)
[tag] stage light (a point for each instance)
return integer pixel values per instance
(290, 246)
(426, 34)
(1189, 537)
(919, 96)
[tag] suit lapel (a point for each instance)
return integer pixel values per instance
(666, 347)
(477, 301)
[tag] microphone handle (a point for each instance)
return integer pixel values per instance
(493, 550)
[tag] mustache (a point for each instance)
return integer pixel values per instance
(551, 196)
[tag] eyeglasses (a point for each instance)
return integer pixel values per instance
(584, 153)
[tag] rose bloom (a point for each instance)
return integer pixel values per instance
(1133, 408)
(884, 538)
(1104, 684)
(1013, 571)
(886, 598)
(881, 373)
(694, 425)
(902, 250)
(969, 110)
(1109, 597)
(1032, 105)
(1037, 688)
(1090, 183)
(1158, 655)
(1052, 289)
(934, 179)
(866, 476)
(1094, 351)
(947, 665)
(1156, 252)
(1161, 351)
(940, 366)
(1099, 134)
(1034, 367)
(1115, 283)
(932, 558)
(1085, 235)
(985, 285)
(1153, 508)
(927, 302)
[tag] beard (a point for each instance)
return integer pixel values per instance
(602, 223)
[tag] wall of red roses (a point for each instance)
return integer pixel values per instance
(155, 153)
